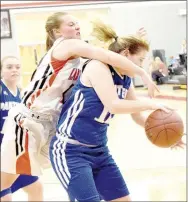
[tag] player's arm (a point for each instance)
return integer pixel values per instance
(74, 47)
(139, 118)
(99, 77)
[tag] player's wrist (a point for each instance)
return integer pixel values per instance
(151, 105)
(140, 72)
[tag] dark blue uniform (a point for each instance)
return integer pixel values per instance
(7, 101)
(87, 170)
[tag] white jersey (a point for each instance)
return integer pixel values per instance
(51, 83)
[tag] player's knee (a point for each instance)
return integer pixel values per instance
(34, 188)
(125, 198)
(7, 180)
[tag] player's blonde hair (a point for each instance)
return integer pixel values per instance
(53, 22)
(105, 33)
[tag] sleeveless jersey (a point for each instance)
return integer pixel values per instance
(51, 83)
(84, 117)
(7, 101)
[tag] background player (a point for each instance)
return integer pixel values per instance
(9, 97)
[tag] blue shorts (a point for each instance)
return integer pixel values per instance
(87, 173)
(23, 181)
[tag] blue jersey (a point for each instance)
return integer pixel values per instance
(7, 101)
(84, 117)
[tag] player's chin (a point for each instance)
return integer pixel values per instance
(78, 36)
(15, 78)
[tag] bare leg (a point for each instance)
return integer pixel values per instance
(34, 191)
(7, 180)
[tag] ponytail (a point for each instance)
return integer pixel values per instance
(117, 44)
(103, 32)
(49, 43)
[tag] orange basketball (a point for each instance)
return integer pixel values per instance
(164, 129)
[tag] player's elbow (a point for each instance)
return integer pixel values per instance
(112, 110)
(114, 106)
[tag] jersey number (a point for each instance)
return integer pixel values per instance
(104, 117)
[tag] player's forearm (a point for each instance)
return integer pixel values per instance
(79, 48)
(107, 57)
(121, 106)
(139, 119)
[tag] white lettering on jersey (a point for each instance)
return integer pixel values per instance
(5, 93)
(8, 105)
(122, 92)
(105, 116)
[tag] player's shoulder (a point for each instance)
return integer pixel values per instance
(96, 64)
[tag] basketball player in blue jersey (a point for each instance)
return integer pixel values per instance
(9, 97)
(37, 115)
(79, 153)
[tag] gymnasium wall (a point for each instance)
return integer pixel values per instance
(166, 28)
(9, 46)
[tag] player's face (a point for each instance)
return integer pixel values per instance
(69, 27)
(138, 58)
(11, 70)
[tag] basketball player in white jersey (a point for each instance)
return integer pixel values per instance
(37, 115)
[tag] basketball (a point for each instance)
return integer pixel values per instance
(164, 129)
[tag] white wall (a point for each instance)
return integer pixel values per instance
(166, 28)
(9, 46)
